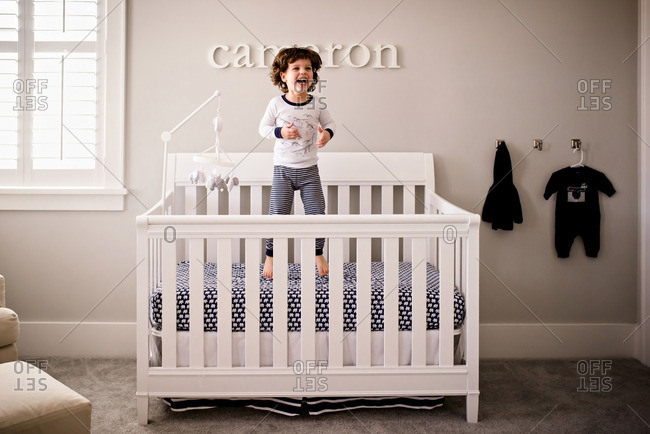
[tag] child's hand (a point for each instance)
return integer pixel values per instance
(323, 138)
(289, 133)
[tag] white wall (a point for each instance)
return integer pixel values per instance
(471, 72)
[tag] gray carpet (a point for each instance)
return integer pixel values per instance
(516, 396)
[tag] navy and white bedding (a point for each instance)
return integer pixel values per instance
(308, 406)
(322, 298)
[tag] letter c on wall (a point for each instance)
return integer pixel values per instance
(212, 57)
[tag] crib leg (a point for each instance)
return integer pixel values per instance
(472, 407)
(143, 409)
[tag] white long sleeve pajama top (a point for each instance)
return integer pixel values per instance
(306, 117)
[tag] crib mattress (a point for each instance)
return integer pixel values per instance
(238, 274)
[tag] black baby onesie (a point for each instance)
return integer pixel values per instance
(577, 211)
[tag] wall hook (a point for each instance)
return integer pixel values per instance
(499, 142)
(576, 144)
(537, 144)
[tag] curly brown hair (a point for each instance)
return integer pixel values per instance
(290, 55)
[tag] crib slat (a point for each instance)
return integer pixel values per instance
(419, 302)
(391, 301)
(234, 208)
(409, 199)
(344, 208)
(446, 259)
(169, 305)
(463, 266)
(159, 244)
(212, 200)
(280, 335)
(252, 334)
(409, 209)
(151, 266)
(197, 259)
(224, 304)
(365, 199)
(364, 319)
(155, 262)
(336, 303)
(458, 273)
(191, 199)
(433, 251)
(308, 301)
(343, 199)
(256, 200)
(326, 245)
(234, 201)
(387, 199)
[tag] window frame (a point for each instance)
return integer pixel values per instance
(108, 191)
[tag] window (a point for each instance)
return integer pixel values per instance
(62, 104)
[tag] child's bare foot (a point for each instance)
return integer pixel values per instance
(323, 267)
(268, 267)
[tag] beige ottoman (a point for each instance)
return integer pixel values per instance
(31, 401)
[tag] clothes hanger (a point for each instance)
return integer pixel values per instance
(576, 144)
(579, 164)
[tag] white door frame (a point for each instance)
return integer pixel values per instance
(643, 332)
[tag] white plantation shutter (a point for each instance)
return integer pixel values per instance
(71, 20)
(64, 133)
(8, 117)
(57, 61)
(8, 75)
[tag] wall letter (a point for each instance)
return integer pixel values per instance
(212, 58)
(246, 55)
(262, 53)
(365, 56)
(392, 59)
(328, 62)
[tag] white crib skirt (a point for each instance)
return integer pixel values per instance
(266, 348)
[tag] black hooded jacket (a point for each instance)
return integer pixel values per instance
(502, 206)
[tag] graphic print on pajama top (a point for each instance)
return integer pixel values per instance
(577, 208)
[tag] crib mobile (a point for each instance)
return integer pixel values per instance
(213, 159)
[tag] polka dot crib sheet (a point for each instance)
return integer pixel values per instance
(238, 273)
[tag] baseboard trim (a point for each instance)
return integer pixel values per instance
(498, 341)
(557, 341)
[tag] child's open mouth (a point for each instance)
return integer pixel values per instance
(302, 81)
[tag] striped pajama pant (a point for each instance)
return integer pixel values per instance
(286, 180)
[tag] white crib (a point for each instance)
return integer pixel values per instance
(380, 206)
